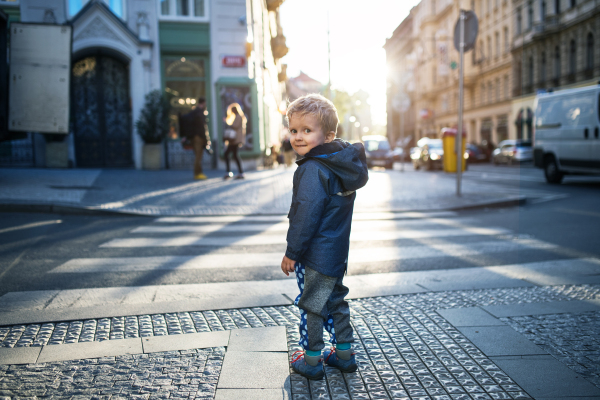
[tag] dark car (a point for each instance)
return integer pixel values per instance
(476, 153)
(512, 152)
(430, 155)
(378, 151)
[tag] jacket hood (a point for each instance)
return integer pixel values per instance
(347, 161)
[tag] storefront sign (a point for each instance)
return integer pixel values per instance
(233, 61)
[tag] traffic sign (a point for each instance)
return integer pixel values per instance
(471, 30)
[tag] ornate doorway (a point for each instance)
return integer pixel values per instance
(101, 112)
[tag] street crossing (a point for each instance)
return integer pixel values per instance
(175, 264)
(372, 240)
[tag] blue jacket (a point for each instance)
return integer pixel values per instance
(323, 199)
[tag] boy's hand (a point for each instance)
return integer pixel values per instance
(287, 265)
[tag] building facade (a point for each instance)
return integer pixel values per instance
(555, 46)
(423, 65)
(224, 50)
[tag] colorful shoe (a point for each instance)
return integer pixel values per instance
(332, 359)
(228, 175)
(308, 371)
(200, 177)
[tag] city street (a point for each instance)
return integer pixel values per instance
(69, 278)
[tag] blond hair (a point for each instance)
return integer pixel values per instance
(231, 115)
(317, 105)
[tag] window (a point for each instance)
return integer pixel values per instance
(557, 62)
(519, 21)
(184, 9)
(557, 7)
(573, 3)
(489, 47)
(116, 6)
(506, 40)
(529, 14)
(497, 89)
(543, 10)
(497, 39)
(530, 72)
(482, 93)
(572, 57)
(589, 61)
(543, 68)
(490, 92)
(506, 95)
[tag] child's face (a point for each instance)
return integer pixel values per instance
(307, 133)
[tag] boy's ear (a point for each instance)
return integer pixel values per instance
(329, 137)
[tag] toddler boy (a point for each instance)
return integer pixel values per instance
(329, 172)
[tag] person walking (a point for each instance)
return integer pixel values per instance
(193, 125)
(234, 137)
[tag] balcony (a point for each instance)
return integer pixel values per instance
(273, 5)
(549, 23)
(278, 47)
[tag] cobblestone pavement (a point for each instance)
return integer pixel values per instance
(174, 375)
(405, 349)
(573, 339)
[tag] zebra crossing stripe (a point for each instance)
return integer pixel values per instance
(254, 260)
(358, 216)
(266, 239)
(360, 225)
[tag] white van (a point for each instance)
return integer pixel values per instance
(567, 125)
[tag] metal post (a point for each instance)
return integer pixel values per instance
(402, 140)
(459, 155)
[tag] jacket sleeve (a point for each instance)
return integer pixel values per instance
(310, 201)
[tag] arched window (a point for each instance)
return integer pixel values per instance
(589, 61)
(557, 62)
(543, 69)
(572, 57)
(557, 7)
(530, 72)
(543, 10)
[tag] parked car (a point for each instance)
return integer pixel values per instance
(378, 151)
(512, 152)
(429, 155)
(567, 132)
(476, 153)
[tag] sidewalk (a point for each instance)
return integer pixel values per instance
(262, 192)
(506, 332)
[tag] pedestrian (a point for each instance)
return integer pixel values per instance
(318, 238)
(288, 151)
(234, 137)
(193, 126)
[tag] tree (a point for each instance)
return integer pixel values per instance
(153, 124)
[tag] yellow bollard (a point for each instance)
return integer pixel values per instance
(449, 144)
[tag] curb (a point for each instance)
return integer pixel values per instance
(95, 211)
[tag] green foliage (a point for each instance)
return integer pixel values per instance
(153, 124)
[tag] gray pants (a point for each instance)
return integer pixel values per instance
(321, 302)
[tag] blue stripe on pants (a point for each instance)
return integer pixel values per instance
(327, 323)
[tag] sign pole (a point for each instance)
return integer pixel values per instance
(402, 140)
(459, 155)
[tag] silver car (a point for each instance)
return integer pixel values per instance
(513, 152)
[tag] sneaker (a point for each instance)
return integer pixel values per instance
(239, 176)
(300, 365)
(228, 176)
(200, 177)
(333, 360)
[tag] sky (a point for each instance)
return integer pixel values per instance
(358, 30)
